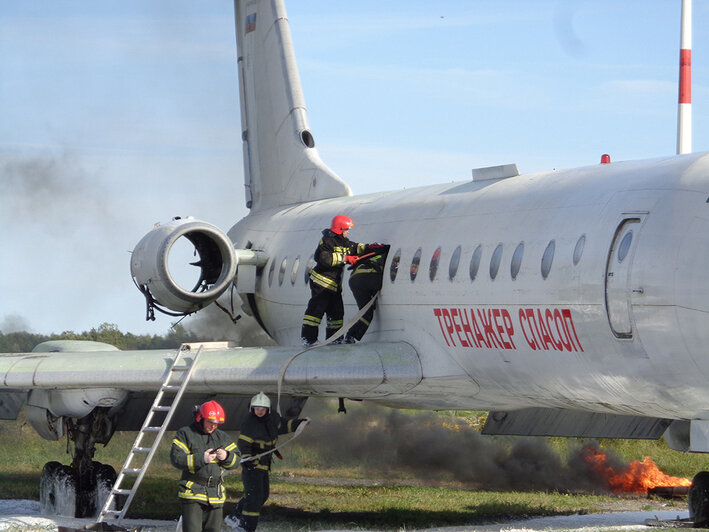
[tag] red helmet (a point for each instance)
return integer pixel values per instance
(212, 411)
(341, 223)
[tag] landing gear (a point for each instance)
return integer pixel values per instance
(81, 489)
(699, 499)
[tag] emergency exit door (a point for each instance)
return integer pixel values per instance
(618, 272)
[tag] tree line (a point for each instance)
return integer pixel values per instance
(24, 342)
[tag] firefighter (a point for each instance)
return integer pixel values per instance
(259, 435)
(333, 252)
(202, 451)
(365, 282)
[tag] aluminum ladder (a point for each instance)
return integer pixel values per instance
(176, 378)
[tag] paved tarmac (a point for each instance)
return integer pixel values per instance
(23, 515)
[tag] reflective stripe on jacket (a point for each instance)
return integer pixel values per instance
(330, 259)
(373, 264)
(202, 482)
(260, 434)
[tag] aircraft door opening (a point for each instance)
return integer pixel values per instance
(618, 271)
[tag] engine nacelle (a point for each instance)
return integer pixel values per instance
(150, 266)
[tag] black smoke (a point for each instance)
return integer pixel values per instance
(55, 192)
(213, 323)
(434, 447)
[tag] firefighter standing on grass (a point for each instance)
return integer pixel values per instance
(259, 435)
(202, 452)
(333, 252)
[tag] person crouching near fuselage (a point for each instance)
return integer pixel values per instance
(259, 434)
(202, 452)
(365, 282)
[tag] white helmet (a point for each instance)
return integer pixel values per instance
(260, 399)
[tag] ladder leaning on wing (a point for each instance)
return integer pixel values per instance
(168, 397)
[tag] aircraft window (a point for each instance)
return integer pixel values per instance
(548, 258)
(415, 264)
(624, 246)
(517, 260)
(578, 250)
(294, 270)
(308, 268)
(475, 262)
(282, 271)
(394, 268)
(433, 268)
(495, 261)
(270, 271)
(453, 266)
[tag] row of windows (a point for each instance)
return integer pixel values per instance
(293, 273)
(475, 262)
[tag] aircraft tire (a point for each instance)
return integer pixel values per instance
(57, 490)
(105, 479)
(47, 494)
(699, 498)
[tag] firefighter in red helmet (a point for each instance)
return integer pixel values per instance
(333, 252)
(202, 451)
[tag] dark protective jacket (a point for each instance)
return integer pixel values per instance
(372, 265)
(202, 482)
(365, 282)
(260, 434)
(330, 259)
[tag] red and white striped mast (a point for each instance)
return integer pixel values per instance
(684, 110)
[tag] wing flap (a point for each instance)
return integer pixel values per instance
(560, 422)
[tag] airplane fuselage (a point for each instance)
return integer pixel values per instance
(581, 289)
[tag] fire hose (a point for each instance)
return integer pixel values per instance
(338, 334)
(297, 433)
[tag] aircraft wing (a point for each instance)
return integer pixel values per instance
(72, 383)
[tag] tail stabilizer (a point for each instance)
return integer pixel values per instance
(281, 164)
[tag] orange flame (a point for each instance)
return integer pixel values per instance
(635, 477)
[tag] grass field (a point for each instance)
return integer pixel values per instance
(385, 469)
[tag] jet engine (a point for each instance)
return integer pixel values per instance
(156, 273)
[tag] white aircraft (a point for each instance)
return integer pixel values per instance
(569, 303)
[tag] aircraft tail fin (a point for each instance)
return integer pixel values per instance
(281, 164)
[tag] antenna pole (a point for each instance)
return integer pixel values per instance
(684, 110)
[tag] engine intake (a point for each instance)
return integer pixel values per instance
(150, 266)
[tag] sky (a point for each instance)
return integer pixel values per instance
(118, 114)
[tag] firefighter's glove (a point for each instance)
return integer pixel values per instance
(209, 456)
(222, 454)
(351, 259)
